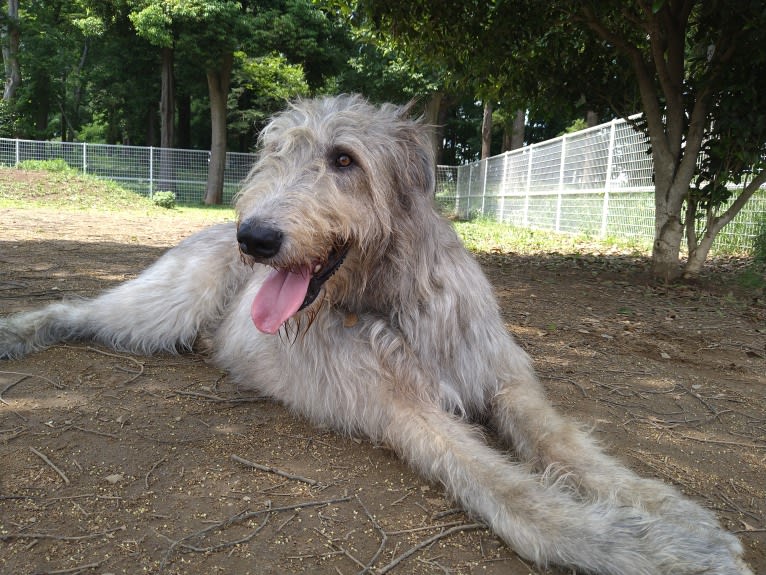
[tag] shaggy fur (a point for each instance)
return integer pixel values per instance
(403, 343)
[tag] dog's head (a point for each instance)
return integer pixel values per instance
(332, 202)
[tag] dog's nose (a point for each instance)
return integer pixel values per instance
(259, 240)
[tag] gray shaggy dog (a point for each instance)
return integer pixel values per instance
(343, 294)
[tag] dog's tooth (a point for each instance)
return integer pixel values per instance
(317, 268)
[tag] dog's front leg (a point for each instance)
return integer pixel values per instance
(163, 309)
(559, 447)
(538, 518)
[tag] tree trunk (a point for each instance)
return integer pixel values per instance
(517, 134)
(591, 119)
(184, 121)
(666, 263)
(486, 130)
(431, 114)
(699, 249)
(670, 190)
(218, 85)
(11, 41)
(167, 100)
(165, 168)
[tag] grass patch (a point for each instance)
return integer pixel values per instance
(58, 165)
(489, 236)
(68, 189)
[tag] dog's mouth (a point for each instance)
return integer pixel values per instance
(286, 291)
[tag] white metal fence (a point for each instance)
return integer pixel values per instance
(144, 170)
(597, 182)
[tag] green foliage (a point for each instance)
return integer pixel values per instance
(94, 132)
(165, 200)
(385, 73)
(304, 35)
(8, 120)
(576, 126)
(260, 87)
(734, 149)
(57, 165)
(154, 21)
(531, 55)
(696, 69)
(205, 28)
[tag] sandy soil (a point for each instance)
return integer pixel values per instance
(112, 463)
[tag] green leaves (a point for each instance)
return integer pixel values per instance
(155, 23)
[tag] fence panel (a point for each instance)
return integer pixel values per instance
(597, 182)
(141, 169)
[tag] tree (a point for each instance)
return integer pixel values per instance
(53, 60)
(210, 30)
(683, 63)
(11, 37)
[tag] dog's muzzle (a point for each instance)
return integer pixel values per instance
(288, 288)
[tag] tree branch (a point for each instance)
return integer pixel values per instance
(739, 203)
(646, 86)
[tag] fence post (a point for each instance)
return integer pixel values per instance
(151, 171)
(525, 218)
(561, 182)
(484, 185)
(608, 180)
(502, 190)
(84, 158)
(458, 175)
(470, 194)
(17, 152)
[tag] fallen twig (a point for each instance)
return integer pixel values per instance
(152, 468)
(136, 374)
(383, 539)
(72, 570)
(95, 432)
(425, 528)
(50, 464)
(53, 383)
(239, 518)
(9, 386)
(219, 399)
(426, 542)
(723, 442)
(275, 471)
(54, 537)
(225, 544)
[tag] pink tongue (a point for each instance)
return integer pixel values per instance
(280, 296)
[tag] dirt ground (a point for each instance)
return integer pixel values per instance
(111, 463)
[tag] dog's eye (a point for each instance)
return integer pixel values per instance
(343, 161)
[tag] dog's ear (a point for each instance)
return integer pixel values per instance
(418, 174)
